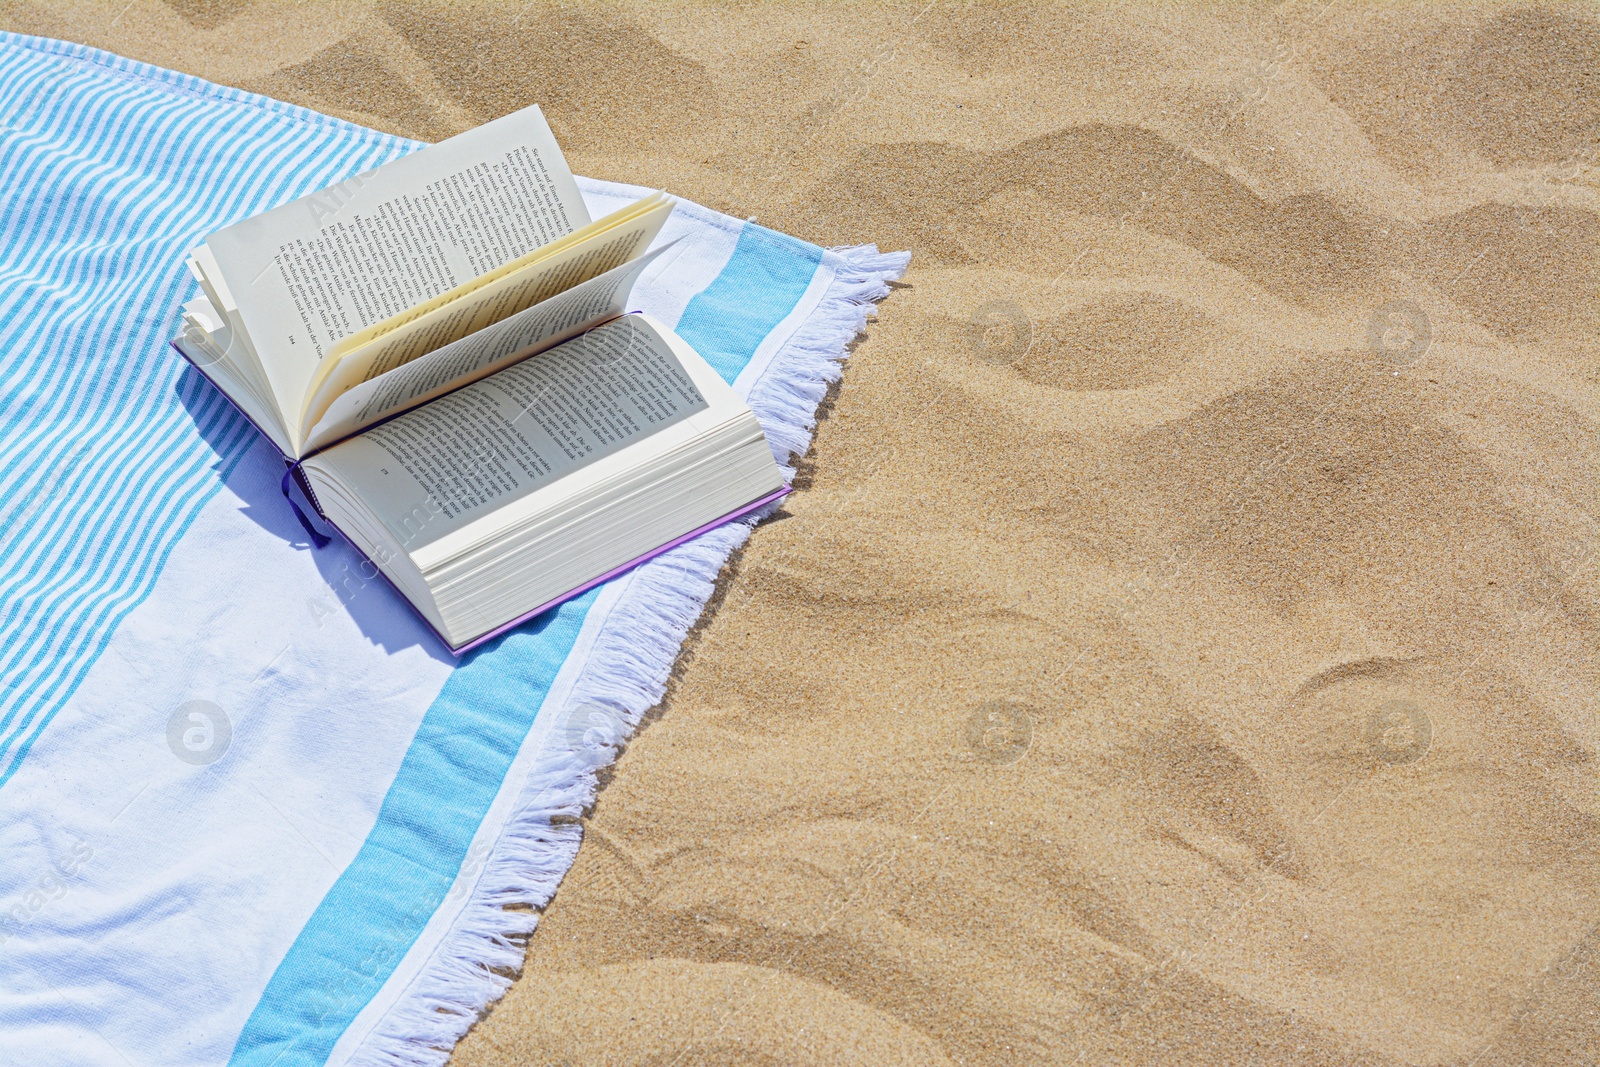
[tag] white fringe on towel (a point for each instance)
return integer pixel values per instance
(625, 677)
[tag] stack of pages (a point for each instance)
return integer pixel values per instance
(440, 350)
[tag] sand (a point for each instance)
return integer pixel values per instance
(1185, 647)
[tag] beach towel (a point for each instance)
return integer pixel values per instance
(251, 812)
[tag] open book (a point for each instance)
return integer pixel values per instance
(439, 349)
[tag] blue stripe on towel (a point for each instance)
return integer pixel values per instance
(384, 898)
(380, 904)
(101, 467)
(761, 284)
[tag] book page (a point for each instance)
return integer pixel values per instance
(515, 432)
(315, 270)
(483, 305)
(526, 333)
(656, 203)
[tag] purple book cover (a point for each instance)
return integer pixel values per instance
(459, 650)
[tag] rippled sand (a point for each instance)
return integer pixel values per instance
(1185, 649)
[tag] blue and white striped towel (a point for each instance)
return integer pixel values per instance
(249, 812)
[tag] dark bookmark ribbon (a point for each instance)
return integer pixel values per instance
(320, 540)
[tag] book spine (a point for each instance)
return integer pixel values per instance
(293, 474)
